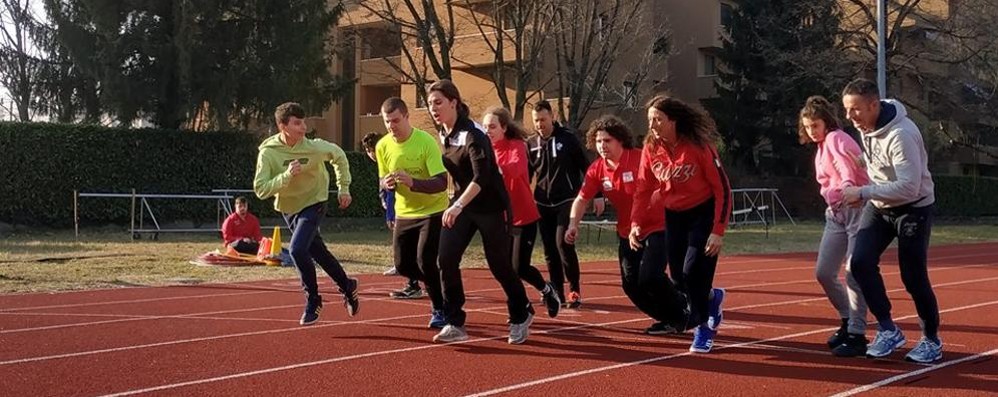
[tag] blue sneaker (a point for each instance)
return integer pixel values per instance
(714, 313)
(885, 343)
(703, 339)
(926, 351)
(437, 319)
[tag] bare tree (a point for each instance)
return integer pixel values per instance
(426, 33)
(516, 32)
(19, 57)
(589, 40)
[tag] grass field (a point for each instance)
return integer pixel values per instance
(53, 261)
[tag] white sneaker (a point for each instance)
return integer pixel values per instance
(450, 334)
(392, 271)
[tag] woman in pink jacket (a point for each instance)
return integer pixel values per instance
(837, 164)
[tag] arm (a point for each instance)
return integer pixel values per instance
(590, 187)
(341, 167)
(718, 180)
(227, 234)
(902, 150)
(647, 184)
(268, 180)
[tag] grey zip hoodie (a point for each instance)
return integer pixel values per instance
(897, 162)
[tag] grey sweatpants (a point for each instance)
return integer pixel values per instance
(837, 244)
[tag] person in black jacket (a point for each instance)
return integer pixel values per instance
(480, 203)
(559, 162)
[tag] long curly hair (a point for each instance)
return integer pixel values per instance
(692, 123)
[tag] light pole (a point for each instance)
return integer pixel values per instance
(882, 47)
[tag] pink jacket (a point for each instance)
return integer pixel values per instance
(838, 163)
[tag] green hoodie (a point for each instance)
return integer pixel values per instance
(308, 187)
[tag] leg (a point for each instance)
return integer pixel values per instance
(304, 227)
(630, 263)
(831, 253)
(453, 242)
(873, 237)
(245, 247)
(665, 302)
(914, 230)
(523, 250)
(569, 257)
(495, 241)
(428, 248)
(857, 305)
(698, 267)
(405, 241)
(548, 226)
(676, 241)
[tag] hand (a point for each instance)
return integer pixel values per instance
(851, 195)
(450, 215)
(714, 244)
(294, 168)
(388, 182)
(599, 205)
(571, 234)
(633, 238)
(390, 224)
(247, 239)
(403, 178)
(345, 201)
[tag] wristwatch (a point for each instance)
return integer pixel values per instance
(458, 205)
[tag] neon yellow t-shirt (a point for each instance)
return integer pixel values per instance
(420, 157)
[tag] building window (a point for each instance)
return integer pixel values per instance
(727, 14)
(708, 63)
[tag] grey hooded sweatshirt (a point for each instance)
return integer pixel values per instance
(896, 161)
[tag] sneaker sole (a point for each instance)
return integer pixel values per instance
(720, 312)
(406, 296)
(934, 359)
(696, 350)
(450, 340)
(887, 353)
(303, 322)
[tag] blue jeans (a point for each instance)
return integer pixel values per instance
(307, 249)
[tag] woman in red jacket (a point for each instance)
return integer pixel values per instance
(679, 160)
(511, 155)
(642, 267)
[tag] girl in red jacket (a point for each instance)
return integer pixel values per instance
(680, 161)
(642, 267)
(511, 155)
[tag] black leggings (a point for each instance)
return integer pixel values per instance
(687, 232)
(416, 243)
(496, 243)
(643, 278)
(523, 249)
(561, 258)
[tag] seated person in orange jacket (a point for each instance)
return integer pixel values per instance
(241, 230)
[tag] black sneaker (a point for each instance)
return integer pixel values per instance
(661, 328)
(350, 298)
(853, 346)
(411, 291)
(551, 301)
(312, 308)
(839, 337)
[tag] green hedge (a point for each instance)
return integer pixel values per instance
(966, 196)
(41, 164)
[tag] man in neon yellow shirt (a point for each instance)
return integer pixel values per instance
(292, 168)
(410, 163)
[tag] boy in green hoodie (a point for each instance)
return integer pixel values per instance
(292, 168)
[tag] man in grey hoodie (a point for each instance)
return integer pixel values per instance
(900, 205)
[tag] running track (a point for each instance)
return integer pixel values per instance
(241, 339)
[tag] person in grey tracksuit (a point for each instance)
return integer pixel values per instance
(901, 204)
